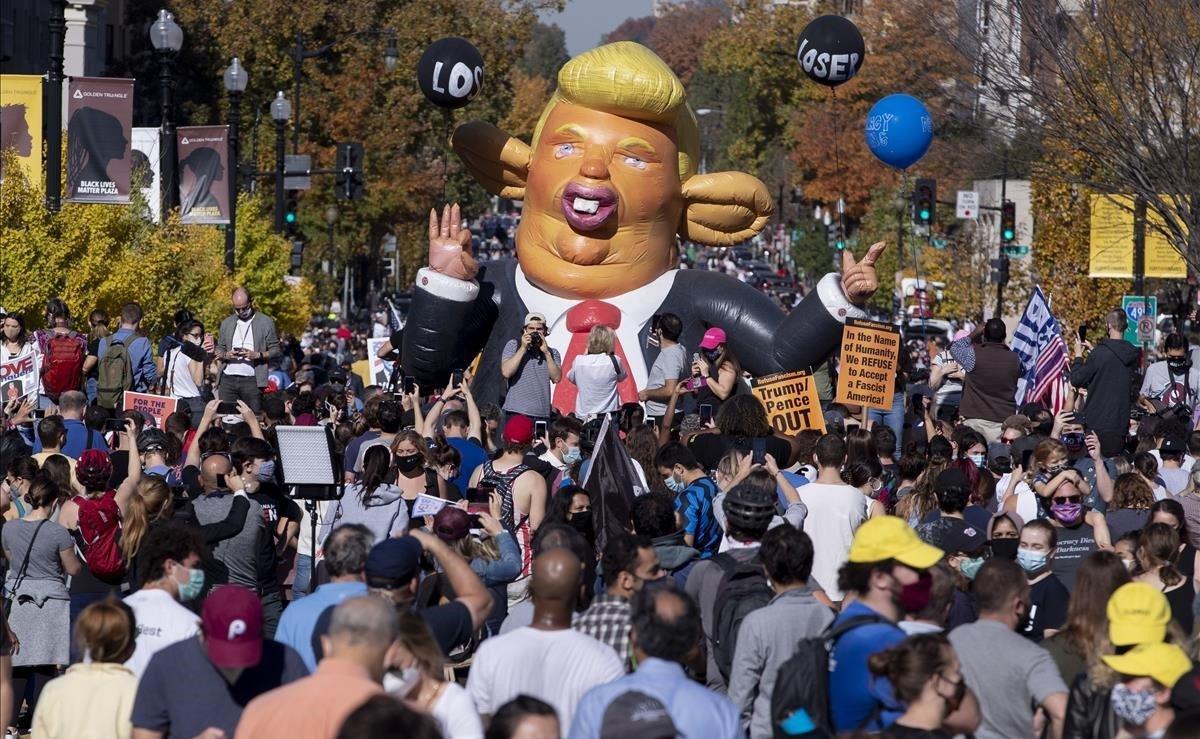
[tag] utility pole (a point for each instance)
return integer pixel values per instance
(1001, 257)
(54, 106)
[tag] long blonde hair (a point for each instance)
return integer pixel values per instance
(149, 503)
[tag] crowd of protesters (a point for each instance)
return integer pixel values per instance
(958, 565)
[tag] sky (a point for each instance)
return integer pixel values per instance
(585, 21)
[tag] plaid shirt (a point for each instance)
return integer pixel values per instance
(607, 620)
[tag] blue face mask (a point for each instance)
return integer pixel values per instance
(266, 470)
(1030, 560)
(191, 589)
(675, 486)
(572, 455)
(970, 567)
(977, 459)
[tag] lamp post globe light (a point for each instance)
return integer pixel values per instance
(236, 79)
(167, 39)
(281, 111)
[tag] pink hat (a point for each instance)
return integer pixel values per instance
(232, 622)
(713, 338)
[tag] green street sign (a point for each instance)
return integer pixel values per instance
(1016, 250)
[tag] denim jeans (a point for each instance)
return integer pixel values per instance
(303, 576)
(893, 419)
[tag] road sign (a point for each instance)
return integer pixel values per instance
(1136, 308)
(1015, 250)
(968, 205)
(297, 163)
(1145, 330)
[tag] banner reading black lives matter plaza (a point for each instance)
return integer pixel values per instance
(791, 401)
(868, 363)
(203, 169)
(99, 132)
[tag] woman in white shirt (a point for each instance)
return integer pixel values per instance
(596, 374)
(183, 373)
(416, 676)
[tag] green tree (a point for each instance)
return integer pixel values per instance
(546, 52)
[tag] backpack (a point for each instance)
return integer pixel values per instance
(114, 375)
(742, 590)
(62, 364)
(802, 681)
(100, 528)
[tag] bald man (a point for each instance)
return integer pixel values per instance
(568, 663)
(246, 342)
(239, 554)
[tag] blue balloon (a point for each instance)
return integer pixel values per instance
(899, 130)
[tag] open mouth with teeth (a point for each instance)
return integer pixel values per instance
(588, 208)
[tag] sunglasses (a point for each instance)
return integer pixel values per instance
(1069, 499)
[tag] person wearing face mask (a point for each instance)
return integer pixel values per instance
(694, 492)
(413, 476)
(562, 445)
(1141, 699)
(246, 342)
(415, 676)
(170, 562)
(926, 676)
(372, 501)
(1048, 597)
(629, 564)
(1172, 381)
(716, 371)
(887, 572)
(669, 367)
(1080, 531)
(572, 505)
(1004, 533)
(1010, 674)
(183, 368)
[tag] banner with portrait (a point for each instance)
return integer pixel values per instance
(99, 136)
(147, 169)
(203, 174)
(21, 122)
(19, 375)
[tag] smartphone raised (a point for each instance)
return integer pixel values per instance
(227, 408)
(410, 384)
(759, 452)
(114, 424)
(456, 378)
(705, 413)
(539, 430)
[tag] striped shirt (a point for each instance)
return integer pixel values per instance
(529, 388)
(695, 504)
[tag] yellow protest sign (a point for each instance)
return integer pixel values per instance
(791, 401)
(21, 121)
(868, 362)
(1111, 241)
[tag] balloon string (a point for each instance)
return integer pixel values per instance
(837, 160)
(449, 120)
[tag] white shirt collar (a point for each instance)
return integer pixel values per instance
(636, 306)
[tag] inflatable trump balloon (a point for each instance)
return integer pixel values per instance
(450, 72)
(610, 185)
(899, 130)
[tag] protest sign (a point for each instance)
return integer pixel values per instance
(158, 407)
(381, 369)
(791, 401)
(427, 505)
(868, 362)
(19, 375)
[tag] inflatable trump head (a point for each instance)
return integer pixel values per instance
(610, 178)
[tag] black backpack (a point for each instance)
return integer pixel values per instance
(802, 682)
(742, 590)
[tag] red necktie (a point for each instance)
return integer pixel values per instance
(580, 320)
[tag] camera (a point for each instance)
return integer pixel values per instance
(535, 340)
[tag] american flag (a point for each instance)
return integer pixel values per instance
(1039, 343)
(395, 320)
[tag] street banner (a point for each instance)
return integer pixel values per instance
(99, 136)
(157, 407)
(19, 375)
(203, 174)
(147, 169)
(21, 122)
(791, 401)
(868, 362)
(1111, 242)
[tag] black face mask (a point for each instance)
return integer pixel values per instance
(1179, 364)
(711, 355)
(1005, 548)
(409, 462)
(583, 523)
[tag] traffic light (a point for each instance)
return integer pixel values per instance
(291, 213)
(297, 255)
(1008, 222)
(348, 179)
(836, 236)
(1000, 270)
(924, 199)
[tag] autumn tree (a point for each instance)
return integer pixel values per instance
(632, 29)
(680, 33)
(546, 52)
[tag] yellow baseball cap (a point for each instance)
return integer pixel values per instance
(1165, 663)
(1137, 614)
(889, 537)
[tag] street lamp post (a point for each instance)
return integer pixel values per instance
(391, 56)
(167, 38)
(281, 110)
(54, 106)
(331, 217)
(236, 80)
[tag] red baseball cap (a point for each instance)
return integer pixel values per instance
(232, 625)
(713, 338)
(518, 430)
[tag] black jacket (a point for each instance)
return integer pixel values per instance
(1108, 376)
(441, 334)
(1089, 712)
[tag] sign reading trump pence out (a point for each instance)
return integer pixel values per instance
(791, 401)
(868, 362)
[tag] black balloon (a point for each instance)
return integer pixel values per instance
(450, 72)
(831, 50)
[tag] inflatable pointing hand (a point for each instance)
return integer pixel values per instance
(858, 278)
(450, 244)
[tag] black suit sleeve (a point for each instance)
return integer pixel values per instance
(762, 336)
(442, 334)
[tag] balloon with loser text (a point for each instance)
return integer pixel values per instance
(831, 50)
(450, 72)
(899, 130)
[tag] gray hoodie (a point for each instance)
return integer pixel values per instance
(385, 513)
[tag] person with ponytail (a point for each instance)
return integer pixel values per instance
(150, 508)
(374, 501)
(926, 677)
(1158, 553)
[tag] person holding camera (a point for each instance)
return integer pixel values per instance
(246, 342)
(530, 365)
